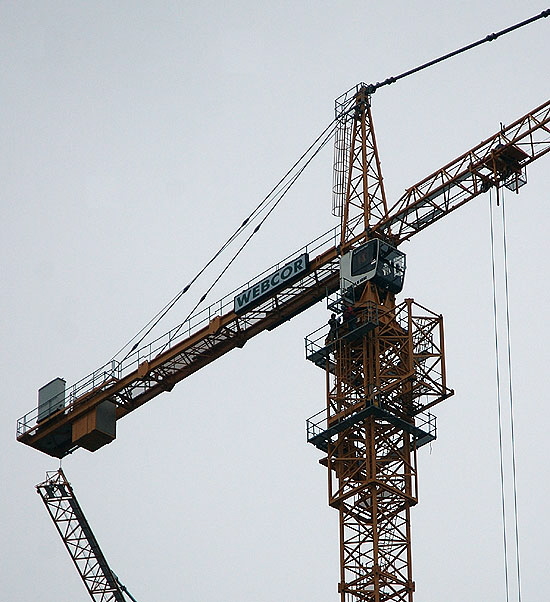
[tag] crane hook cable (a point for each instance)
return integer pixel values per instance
(489, 38)
(499, 406)
(371, 89)
(510, 398)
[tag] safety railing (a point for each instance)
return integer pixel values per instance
(316, 424)
(423, 430)
(427, 422)
(111, 372)
(362, 320)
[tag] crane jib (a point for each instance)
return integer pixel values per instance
(279, 279)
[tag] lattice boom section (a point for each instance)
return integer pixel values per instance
(279, 308)
(62, 505)
(500, 159)
(161, 367)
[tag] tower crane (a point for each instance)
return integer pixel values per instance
(383, 359)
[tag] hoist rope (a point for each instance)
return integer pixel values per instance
(511, 396)
(500, 202)
(273, 198)
(499, 404)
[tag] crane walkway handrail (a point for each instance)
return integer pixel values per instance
(174, 355)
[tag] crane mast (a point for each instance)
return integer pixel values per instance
(384, 367)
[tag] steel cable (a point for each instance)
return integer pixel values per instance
(256, 229)
(499, 404)
(273, 198)
(489, 38)
(371, 88)
(510, 398)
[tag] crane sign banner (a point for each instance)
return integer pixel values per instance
(278, 280)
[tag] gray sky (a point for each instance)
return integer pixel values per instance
(136, 136)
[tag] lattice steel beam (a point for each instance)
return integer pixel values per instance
(381, 377)
(71, 524)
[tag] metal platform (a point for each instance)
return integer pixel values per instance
(319, 434)
(319, 349)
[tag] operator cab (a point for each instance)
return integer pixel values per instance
(376, 261)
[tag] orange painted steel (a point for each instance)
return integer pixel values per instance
(424, 203)
(380, 380)
(159, 372)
